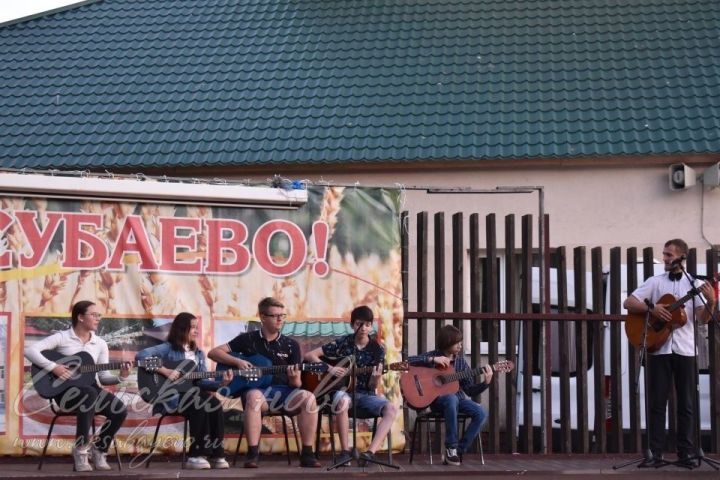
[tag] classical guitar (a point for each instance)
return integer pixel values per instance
(83, 369)
(321, 383)
(260, 376)
(658, 330)
(422, 385)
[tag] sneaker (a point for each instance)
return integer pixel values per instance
(344, 458)
(251, 461)
(364, 457)
(219, 463)
(451, 457)
(197, 463)
(99, 459)
(81, 459)
(309, 461)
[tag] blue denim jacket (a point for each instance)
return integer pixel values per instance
(166, 352)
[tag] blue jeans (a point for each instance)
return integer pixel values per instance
(450, 406)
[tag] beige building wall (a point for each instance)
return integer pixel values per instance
(590, 206)
(587, 206)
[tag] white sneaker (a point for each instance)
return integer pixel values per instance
(197, 463)
(219, 463)
(81, 459)
(99, 459)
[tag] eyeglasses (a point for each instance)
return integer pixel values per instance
(279, 316)
(94, 314)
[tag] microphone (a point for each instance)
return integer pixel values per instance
(678, 260)
(707, 277)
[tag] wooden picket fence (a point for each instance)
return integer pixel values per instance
(579, 329)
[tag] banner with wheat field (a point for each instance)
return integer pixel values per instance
(143, 263)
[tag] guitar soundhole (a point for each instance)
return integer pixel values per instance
(74, 370)
(657, 326)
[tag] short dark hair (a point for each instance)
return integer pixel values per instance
(680, 244)
(268, 302)
(363, 312)
(448, 336)
(80, 308)
(178, 334)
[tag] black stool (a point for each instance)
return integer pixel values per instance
(327, 410)
(426, 417)
(157, 430)
(68, 413)
(284, 414)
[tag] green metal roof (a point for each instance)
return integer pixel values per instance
(312, 329)
(123, 83)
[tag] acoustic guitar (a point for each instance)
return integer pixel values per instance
(153, 385)
(658, 330)
(321, 383)
(82, 368)
(422, 385)
(261, 375)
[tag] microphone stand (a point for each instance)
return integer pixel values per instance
(699, 453)
(642, 357)
(354, 452)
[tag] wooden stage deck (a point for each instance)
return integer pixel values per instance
(276, 467)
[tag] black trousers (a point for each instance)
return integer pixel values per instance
(662, 370)
(87, 402)
(207, 428)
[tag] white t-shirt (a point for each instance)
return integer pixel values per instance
(681, 340)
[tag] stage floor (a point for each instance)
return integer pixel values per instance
(275, 466)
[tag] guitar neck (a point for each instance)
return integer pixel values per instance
(465, 374)
(100, 367)
(273, 369)
(362, 370)
(209, 374)
(680, 302)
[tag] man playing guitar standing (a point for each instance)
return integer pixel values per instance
(86, 401)
(676, 357)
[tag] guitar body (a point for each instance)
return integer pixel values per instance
(658, 330)
(247, 382)
(422, 385)
(152, 385)
(48, 385)
(322, 383)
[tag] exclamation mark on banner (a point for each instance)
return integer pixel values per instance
(320, 236)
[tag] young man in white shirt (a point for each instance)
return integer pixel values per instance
(86, 401)
(676, 357)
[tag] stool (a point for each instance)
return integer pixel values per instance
(68, 413)
(281, 413)
(327, 410)
(157, 430)
(428, 416)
